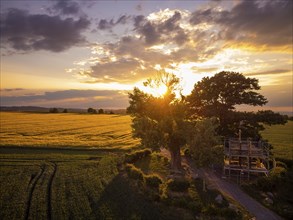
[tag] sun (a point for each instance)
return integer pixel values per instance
(159, 91)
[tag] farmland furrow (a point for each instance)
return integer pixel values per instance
(33, 183)
(49, 191)
(55, 131)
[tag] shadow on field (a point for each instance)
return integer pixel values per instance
(122, 199)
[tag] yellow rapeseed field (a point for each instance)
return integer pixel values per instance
(66, 130)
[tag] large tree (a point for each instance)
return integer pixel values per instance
(159, 121)
(218, 96)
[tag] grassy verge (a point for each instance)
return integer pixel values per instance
(281, 138)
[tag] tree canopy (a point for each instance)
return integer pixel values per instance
(159, 121)
(218, 96)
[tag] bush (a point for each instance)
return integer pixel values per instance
(278, 171)
(91, 111)
(281, 164)
(264, 184)
(178, 185)
(53, 110)
(153, 180)
(133, 172)
(136, 155)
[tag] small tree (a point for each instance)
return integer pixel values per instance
(101, 111)
(203, 141)
(65, 110)
(92, 111)
(160, 121)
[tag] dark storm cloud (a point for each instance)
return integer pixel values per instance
(28, 32)
(74, 98)
(254, 22)
(67, 7)
(105, 24)
(138, 20)
(161, 32)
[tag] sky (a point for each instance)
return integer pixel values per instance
(80, 54)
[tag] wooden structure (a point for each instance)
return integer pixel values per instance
(246, 157)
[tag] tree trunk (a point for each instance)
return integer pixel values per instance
(175, 159)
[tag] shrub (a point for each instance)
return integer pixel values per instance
(178, 185)
(228, 213)
(91, 111)
(153, 180)
(136, 155)
(133, 172)
(53, 110)
(277, 172)
(281, 165)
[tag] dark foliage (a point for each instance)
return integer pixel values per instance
(218, 96)
(137, 155)
(178, 184)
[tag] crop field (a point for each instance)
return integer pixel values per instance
(38, 187)
(64, 166)
(66, 130)
(59, 165)
(281, 137)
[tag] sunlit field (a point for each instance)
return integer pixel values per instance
(60, 165)
(66, 130)
(281, 137)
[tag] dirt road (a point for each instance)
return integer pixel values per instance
(232, 190)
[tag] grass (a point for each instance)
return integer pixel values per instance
(66, 130)
(67, 186)
(281, 137)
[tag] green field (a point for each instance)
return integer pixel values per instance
(281, 138)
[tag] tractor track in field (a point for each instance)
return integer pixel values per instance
(33, 182)
(45, 168)
(49, 190)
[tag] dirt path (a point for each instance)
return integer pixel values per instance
(233, 191)
(229, 189)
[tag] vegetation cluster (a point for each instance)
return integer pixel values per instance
(182, 193)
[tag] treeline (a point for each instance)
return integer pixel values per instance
(89, 111)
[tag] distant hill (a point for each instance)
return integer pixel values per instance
(23, 109)
(43, 109)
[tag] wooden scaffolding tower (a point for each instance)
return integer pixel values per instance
(246, 157)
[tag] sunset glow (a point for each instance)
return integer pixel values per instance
(69, 54)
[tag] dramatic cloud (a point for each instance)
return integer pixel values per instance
(66, 7)
(105, 24)
(161, 30)
(28, 32)
(262, 23)
(71, 98)
(169, 38)
(160, 40)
